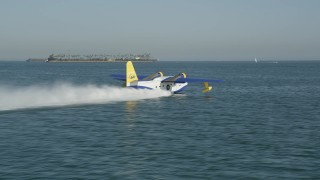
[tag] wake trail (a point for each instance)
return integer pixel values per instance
(62, 94)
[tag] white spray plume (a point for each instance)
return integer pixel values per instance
(61, 94)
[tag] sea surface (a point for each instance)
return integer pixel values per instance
(72, 121)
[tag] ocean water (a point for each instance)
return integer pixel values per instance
(71, 120)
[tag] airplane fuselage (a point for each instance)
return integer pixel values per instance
(157, 83)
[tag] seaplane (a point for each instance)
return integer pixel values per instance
(174, 84)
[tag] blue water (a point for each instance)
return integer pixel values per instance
(70, 120)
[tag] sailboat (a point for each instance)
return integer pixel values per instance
(255, 60)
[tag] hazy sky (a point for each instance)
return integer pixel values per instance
(168, 29)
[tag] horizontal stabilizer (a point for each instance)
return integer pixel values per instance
(122, 77)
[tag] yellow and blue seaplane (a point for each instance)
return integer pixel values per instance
(174, 84)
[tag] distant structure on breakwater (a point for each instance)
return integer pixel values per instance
(96, 58)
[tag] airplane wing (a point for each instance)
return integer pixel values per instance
(198, 80)
(122, 77)
(191, 80)
(181, 78)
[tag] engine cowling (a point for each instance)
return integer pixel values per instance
(152, 76)
(174, 78)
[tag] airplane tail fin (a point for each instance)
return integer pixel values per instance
(131, 75)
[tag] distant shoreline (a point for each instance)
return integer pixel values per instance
(95, 58)
(90, 61)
